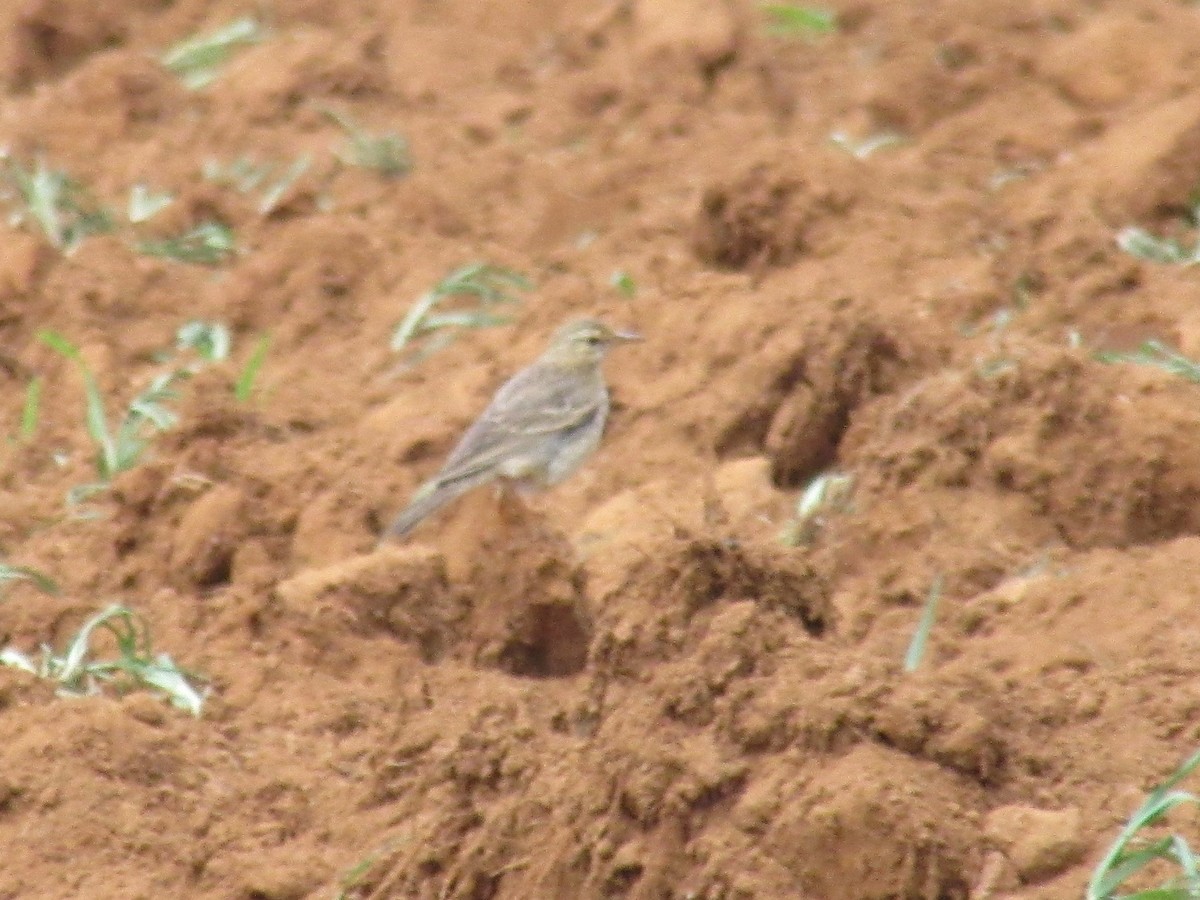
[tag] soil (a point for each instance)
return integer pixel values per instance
(631, 686)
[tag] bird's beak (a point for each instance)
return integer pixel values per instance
(627, 336)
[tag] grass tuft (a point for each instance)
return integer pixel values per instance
(79, 674)
(119, 449)
(1156, 354)
(245, 176)
(387, 154)
(206, 244)
(489, 285)
(1141, 243)
(211, 340)
(1133, 850)
(57, 204)
(144, 204)
(198, 60)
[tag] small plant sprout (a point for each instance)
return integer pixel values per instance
(10, 573)
(916, 647)
(489, 285)
(198, 60)
(31, 409)
(387, 153)
(623, 283)
(120, 449)
(1144, 245)
(1156, 354)
(79, 674)
(1133, 849)
(144, 204)
(210, 340)
(862, 148)
(206, 244)
(245, 176)
(55, 203)
(791, 20)
(829, 492)
(1141, 243)
(244, 386)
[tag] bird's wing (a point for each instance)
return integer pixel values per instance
(528, 408)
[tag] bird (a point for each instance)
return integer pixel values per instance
(538, 428)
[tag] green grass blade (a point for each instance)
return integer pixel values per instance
(145, 204)
(278, 190)
(207, 244)
(163, 675)
(916, 648)
(211, 340)
(790, 20)
(1144, 245)
(387, 154)
(43, 582)
(10, 656)
(31, 409)
(244, 386)
(409, 327)
(97, 420)
(1117, 865)
(490, 285)
(198, 60)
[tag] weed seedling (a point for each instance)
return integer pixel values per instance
(387, 153)
(1156, 354)
(144, 204)
(244, 386)
(829, 492)
(245, 176)
(31, 409)
(54, 202)
(1141, 243)
(198, 60)
(210, 340)
(1133, 850)
(79, 674)
(118, 449)
(207, 244)
(916, 647)
(861, 149)
(790, 20)
(489, 285)
(10, 573)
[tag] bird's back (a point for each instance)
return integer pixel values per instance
(537, 412)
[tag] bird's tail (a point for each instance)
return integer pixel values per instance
(426, 502)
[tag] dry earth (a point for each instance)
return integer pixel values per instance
(637, 690)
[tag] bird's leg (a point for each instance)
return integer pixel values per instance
(518, 513)
(514, 511)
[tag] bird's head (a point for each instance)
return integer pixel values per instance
(585, 342)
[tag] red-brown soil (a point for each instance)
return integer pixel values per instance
(636, 690)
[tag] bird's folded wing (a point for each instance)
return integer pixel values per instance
(525, 412)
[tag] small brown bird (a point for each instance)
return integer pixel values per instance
(541, 425)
